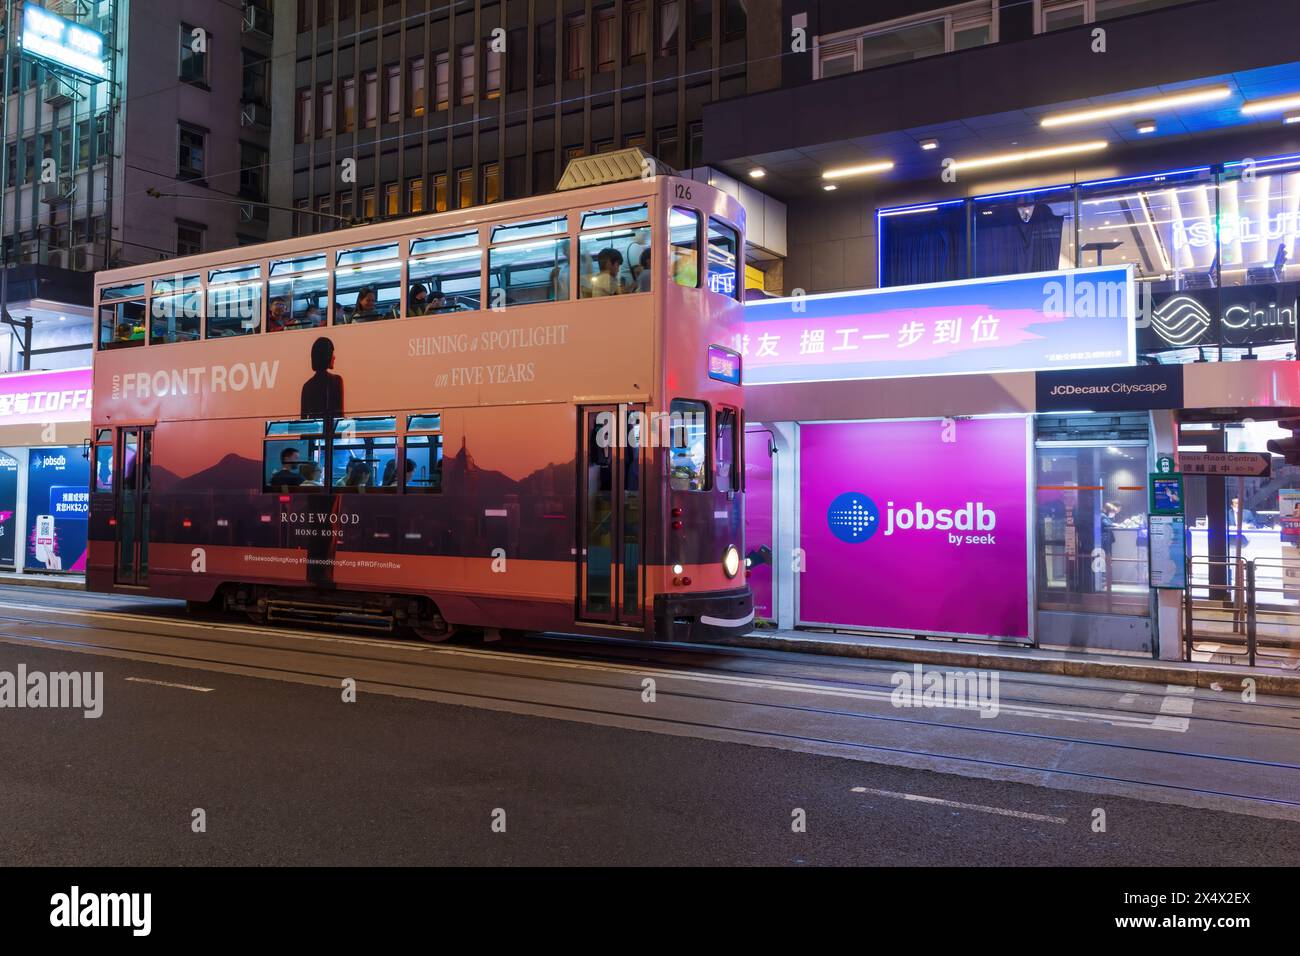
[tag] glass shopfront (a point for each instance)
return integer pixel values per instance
(1214, 250)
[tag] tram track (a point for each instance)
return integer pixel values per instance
(618, 654)
(431, 658)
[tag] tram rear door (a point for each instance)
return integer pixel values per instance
(611, 515)
(131, 504)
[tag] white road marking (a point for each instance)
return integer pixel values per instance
(1128, 698)
(1000, 811)
(1175, 709)
(163, 683)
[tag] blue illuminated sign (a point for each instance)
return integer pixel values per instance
(1079, 318)
(49, 37)
(724, 365)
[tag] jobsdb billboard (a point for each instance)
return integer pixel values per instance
(915, 526)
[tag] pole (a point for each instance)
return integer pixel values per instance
(4, 158)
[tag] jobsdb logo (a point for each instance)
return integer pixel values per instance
(854, 517)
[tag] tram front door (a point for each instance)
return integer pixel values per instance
(131, 504)
(611, 515)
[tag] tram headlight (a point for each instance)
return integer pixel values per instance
(731, 561)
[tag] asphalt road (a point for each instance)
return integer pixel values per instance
(286, 772)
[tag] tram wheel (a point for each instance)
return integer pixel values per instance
(433, 634)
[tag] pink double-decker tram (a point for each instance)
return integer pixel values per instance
(520, 416)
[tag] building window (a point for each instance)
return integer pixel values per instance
(325, 111)
(575, 46)
(347, 105)
(517, 60)
(302, 218)
(189, 238)
(304, 15)
(735, 19)
(392, 93)
(701, 24)
(491, 72)
(194, 54)
(466, 59)
(464, 188)
(1060, 14)
(634, 32)
(958, 28)
(491, 182)
(303, 124)
(442, 81)
(324, 12)
(415, 87)
(668, 23)
(368, 203)
(190, 158)
(606, 32)
(369, 99)
(440, 192)
(252, 171)
(256, 77)
(392, 201)
(415, 194)
(544, 53)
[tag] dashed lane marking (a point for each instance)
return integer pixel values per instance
(164, 683)
(1000, 811)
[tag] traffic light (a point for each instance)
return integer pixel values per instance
(1288, 448)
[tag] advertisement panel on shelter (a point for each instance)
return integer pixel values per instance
(1082, 318)
(916, 526)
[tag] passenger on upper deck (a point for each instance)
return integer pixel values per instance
(277, 315)
(606, 280)
(417, 300)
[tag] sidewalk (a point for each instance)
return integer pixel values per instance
(34, 579)
(944, 652)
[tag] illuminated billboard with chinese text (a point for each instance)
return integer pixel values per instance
(1080, 318)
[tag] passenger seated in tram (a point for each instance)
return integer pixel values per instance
(310, 472)
(366, 307)
(643, 274)
(417, 300)
(277, 315)
(290, 474)
(438, 303)
(357, 474)
(606, 280)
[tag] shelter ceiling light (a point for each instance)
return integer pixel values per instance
(1274, 104)
(1149, 105)
(1026, 155)
(862, 169)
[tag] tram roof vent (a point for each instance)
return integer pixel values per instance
(619, 166)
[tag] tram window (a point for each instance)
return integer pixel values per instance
(683, 246)
(533, 229)
(423, 423)
(293, 464)
(444, 274)
(423, 464)
(725, 456)
(176, 309)
(367, 285)
(234, 301)
(297, 294)
(104, 467)
(689, 450)
(723, 244)
(121, 325)
(615, 260)
(528, 272)
(364, 463)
